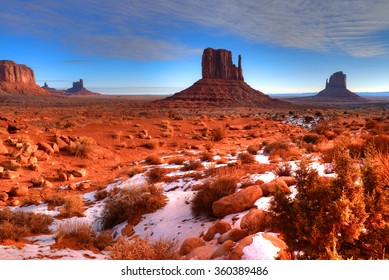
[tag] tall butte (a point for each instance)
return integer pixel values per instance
(18, 79)
(222, 85)
(335, 91)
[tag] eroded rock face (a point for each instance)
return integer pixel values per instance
(16, 73)
(337, 80)
(217, 64)
(18, 79)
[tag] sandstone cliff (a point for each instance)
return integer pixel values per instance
(18, 79)
(77, 89)
(222, 85)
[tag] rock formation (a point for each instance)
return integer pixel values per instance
(222, 85)
(18, 79)
(77, 89)
(335, 91)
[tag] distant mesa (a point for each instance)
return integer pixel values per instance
(222, 85)
(18, 79)
(77, 89)
(335, 91)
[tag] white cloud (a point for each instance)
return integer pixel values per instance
(152, 29)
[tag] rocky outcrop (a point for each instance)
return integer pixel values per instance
(335, 91)
(77, 89)
(18, 79)
(222, 85)
(217, 64)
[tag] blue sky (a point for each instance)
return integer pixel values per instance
(286, 45)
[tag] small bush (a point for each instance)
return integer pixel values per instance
(253, 149)
(72, 206)
(20, 224)
(217, 134)
(246, 158)
(156, 175)
(79, 230)
(211, 192)
(151, 145)
(206, 156)
(311, 138)
(103, 239)
(82, 148)
(100, 195)
(177, 160)
(130, 204)
(133, 170)
(153, 159)
(283, 169)
(143, 249)
(192, 165)
(282, 149)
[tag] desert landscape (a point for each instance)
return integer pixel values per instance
(217, 171)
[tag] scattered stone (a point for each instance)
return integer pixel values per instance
(19, 145)
(191, 243)
(55, 148)
(34, 167)
(79, 173)
(234, 234)
(15, 202)
(41, 155)
(289, 180)
(14, 165)
(22, 159)
(271, 187)
(223, 250)
(237, 252)
(218, 227)
(254, 221)
(84, 186)
(3, 196)
(237, 202)
(46, 147)
(47, 184)
(70, 177)
(32, 160)
(37, 182)
(29, 149)
(19, 191)
(72, 186)
(3, 149)
(62, 145)
(8, 174)
(62, 176)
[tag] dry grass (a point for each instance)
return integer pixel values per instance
(156, 175)
(73, 206)
(246, 158)
(192, 165)
(79, 230)
(283, 169)
(211, 192)
(283, 150)
(207, 156)
(177, 161)
(218, 134)
(130, 204)
(143, 249)
(153, 159)
(82, 148)
(133, 170)
(15, 226)
(253, 149)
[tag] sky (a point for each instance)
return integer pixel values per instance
(287, 46)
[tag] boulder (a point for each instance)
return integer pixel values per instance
(37, 182)
(217, 227)
(84, 186)
(19, 191)
(62, 145)
(271, 187)
(62, 177)
(191, 243)
(72, 186)
(237, 252)
(46, 147)
(79, 173)
(289, 180)
(29, 149)
(3, 196)
(8, 174)
(254, 221)
(3, 149)
(47, 184)
(234, 234)
(55, 148)
(223, 250)
(237, 202)
(41, 155)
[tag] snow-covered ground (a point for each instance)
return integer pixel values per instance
(173, 221)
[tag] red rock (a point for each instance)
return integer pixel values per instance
(46, 147)
(41, 155)
(84, 186)
(62, 145)
(223, 250)
(234, 234)
(271, 187)
(237, 252)
(18, 79)
(3, 196)
(19, 191)
(217, 64)
(189, 244)
(289, 180)
(72, 186)
(3, 149)
(237, 202)
(8, 174)
(217, 227)
(79, 173)
(254, 221)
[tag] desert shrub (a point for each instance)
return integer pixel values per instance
(246, 158)
(207, 156)
(218, 134)
(153, 159)
(211, 192)
(259, 225)
(282, 149)
(156, 175)
(130, 204)
(283, 169)
(103, 239)
(82, 147)
(69, 124)
(133, 170)
(253, 149)
(143, 249)
(77, 229)
(73, 206)
(311, 138)
(380, 142)
(177, 160)
(151, 145)
(192, 165)
(101, 194)
(16, 225)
